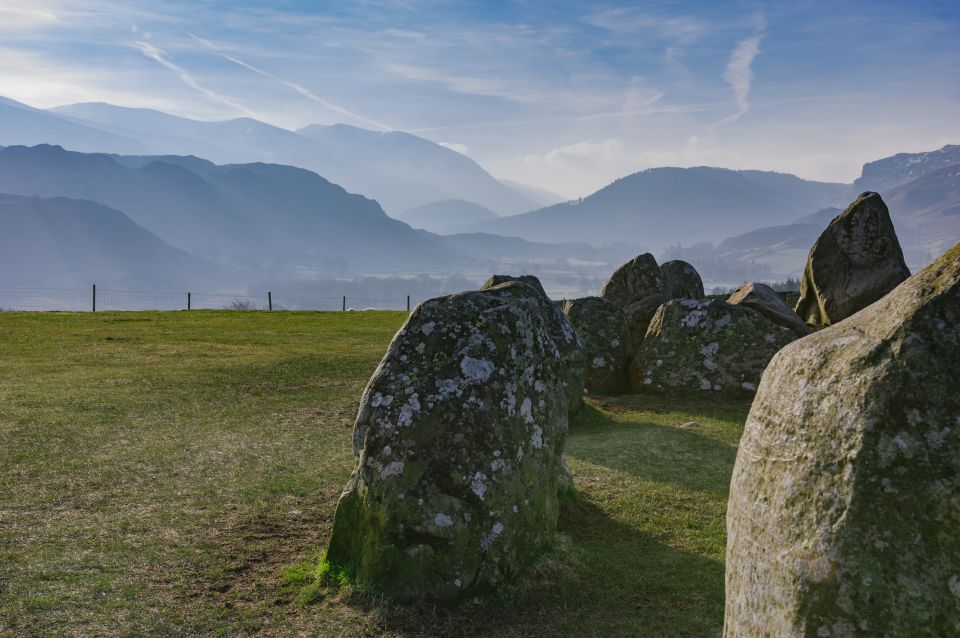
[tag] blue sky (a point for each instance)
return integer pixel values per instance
(563, 95)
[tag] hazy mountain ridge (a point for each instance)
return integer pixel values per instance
(256, 216)
(661, 206)
(888, 173)
(925, 213)
(63, 242)
(397, 169)
(447, 215)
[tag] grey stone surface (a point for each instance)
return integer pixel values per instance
(682, 280)
(635, 280)
(459, 443)
(696, 347)
(767, 302)
(844, 509)
(602, 327)
(855, 261)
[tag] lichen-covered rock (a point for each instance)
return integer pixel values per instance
(682, 280)
(566, 337)
(639, 314)
(530, 280)
(602, 327)
(697, 346)
(856, 261)
(637, 279)
(844, 510)
(768, 303)
(459, 442)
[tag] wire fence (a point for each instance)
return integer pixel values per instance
(97, 299)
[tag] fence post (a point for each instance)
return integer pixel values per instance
(408, 303)
(269, 301)
(188, 301)
(344, 303)
(94, 297)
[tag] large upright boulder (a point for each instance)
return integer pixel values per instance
(768, 303)
(695, 346)
(844, 510)
(639, 314)
(602, 327)
(637, 279)
(530, 280)
(567, 339)
(459, 443)
(682, 280)
(856, 261)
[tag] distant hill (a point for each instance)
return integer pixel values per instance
(22, 124)
(925, 213)
(538, 196)
(397, 169)
(663, 206)
(403, 171)
(61, 242)
(441, 217)
(890, 172)
(263, 217)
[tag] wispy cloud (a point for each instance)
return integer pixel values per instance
(299, 88)
(739, 71)
(160, 57)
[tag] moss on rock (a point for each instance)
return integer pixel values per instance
(844, 505)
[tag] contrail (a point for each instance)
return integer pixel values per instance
(299, 88)
(158, 56)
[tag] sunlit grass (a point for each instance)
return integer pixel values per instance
(167, 473)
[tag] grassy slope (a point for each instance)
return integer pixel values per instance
(158, 471)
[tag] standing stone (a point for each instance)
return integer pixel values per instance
(530, 280)
(844, 510)
(695, 346)
(682, 280)
(856, 261)
(639, 314)
(565, 336)
(637, 279)
(459, 442)
(768, 303)
(602, 327)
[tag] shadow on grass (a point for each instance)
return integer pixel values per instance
(651, 451)
(608, 579)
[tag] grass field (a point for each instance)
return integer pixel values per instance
(160, 471)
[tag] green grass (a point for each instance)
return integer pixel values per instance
(163, 474)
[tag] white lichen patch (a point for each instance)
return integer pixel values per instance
(393, 468)
(537, 440)
(692, 320)
(427, 328)
(705, 384)
(599, 362)
(488, 539)
(478, 485)
(954, 585)
(380, 400)
(526, 410)
(442, 520)
(476, 369)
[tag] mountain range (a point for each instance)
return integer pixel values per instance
(924, 204)
(397, 169)
(662, 206)
(269, 221)
(262, 217)
(60, 242)
(447, 216)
